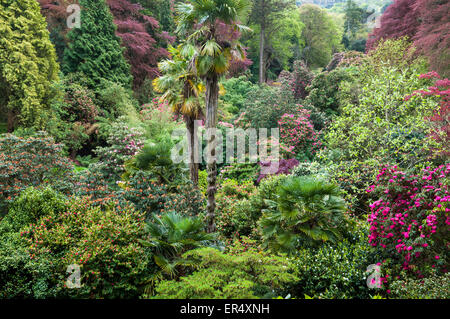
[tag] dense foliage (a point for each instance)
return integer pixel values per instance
(104, 195)
(27, 65)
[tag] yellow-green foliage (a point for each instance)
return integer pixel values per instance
(27, 62)
(241, 273)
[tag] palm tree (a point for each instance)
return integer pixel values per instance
(198, 21)
(170, 236)
(306, 211)
(182, 90)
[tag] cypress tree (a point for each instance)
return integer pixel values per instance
(94, 49)
(27, 64)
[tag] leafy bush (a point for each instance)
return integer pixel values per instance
(311, 168)
(32, 161)
(103, 243)
(123, 143)
(202, 181)
(305, 212)
(265, 105)
(410, 219)
(324, 92)
(186, 200)
(31, 205)
(336, 270)
(236, 216)
(239, 171)
(159, 119)
(76, 116)
(236, 90)
(250, 274)
(115, 101)
(20, 276)
(434, 287)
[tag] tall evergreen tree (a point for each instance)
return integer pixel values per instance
(94, 48)
(27, 64)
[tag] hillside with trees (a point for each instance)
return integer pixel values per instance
(224, 149)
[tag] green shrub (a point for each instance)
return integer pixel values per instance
(186, 200)
(76, 115)
(336, 270)
(236, 216)
(265, 105)
(324, 92)
(103, 243)
(311, 168)
(20, 276)
(240, 171)
(434, 287)
(202, 181)
(32, 161)
(123, 143)
(245, 275)
(32, 204)
(236, 90)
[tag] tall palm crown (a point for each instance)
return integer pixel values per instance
(200, 21)
(180, 87)
(211, 28)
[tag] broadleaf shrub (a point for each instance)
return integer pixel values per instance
(32, 161)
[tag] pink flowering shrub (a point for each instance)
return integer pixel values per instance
(123, 143)
(297, 80)
(410, 220)
(298, 135)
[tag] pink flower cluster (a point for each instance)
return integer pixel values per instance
(411, 216)
(297, 133)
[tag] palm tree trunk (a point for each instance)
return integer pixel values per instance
(212, 95)
(193, 165)
(262, 66)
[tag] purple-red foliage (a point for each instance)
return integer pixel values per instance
(440, 120)
(433, 35)
(400, 19)
(426, 22)
(297, 80)
(141, 37)
(285, 167)
(238, 67)
(228, 33)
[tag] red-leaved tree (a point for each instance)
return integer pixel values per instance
(400, 19)
(426, 22)
(142, 38)
(440, 120)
